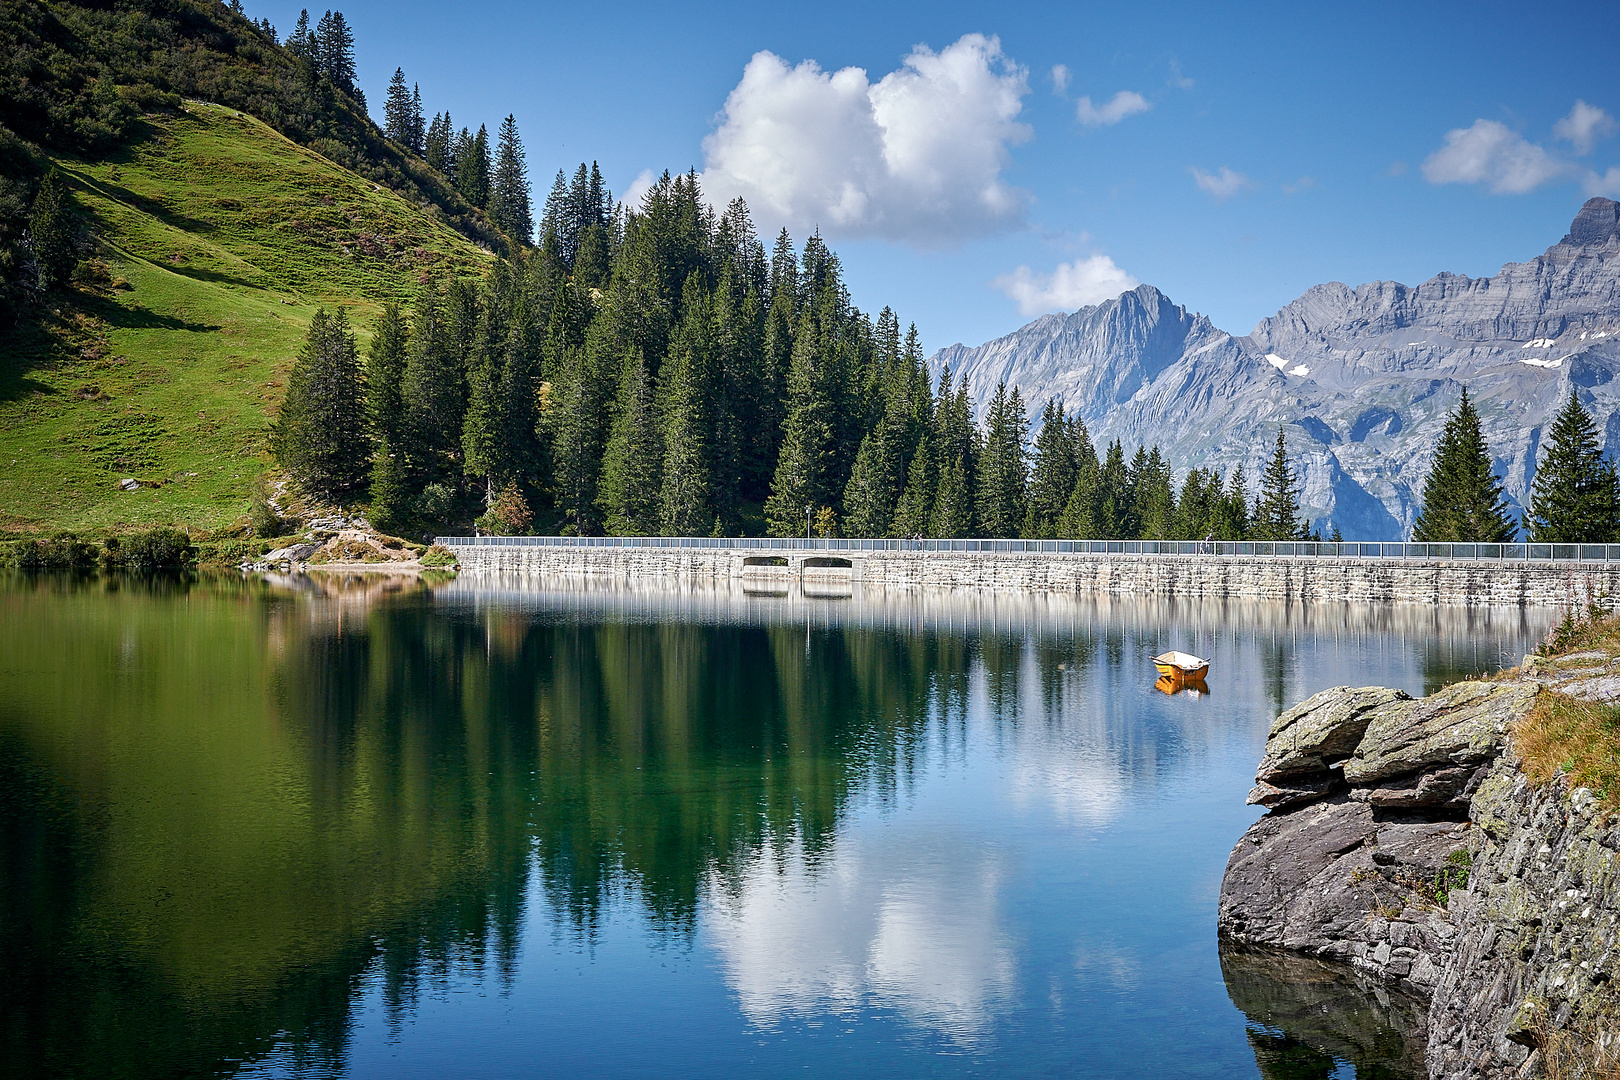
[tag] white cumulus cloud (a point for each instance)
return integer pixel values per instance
(1123, 104)
(1607, 184)
(1584, 126)
(916, 156)
(1491, 153)
(1072, 285)
(1223, 184)
(1060, 78)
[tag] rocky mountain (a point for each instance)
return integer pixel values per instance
(1362, 378)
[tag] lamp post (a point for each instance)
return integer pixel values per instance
(807, 520)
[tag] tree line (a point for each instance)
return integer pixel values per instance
(654, 371)
(1574, 499)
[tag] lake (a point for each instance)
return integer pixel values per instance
(498, 827)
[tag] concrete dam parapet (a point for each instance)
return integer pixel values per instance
(1491, 582)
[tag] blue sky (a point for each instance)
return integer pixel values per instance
(1331, 122)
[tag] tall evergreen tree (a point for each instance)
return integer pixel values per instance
(301, 43)
(1276, 515)
(434, 392)
(1575, 498)
(53, 234)
(806, 464)
(914, 515)
(1002, 470)
(633, 462)
(472, 166)
(581, 396)
(953, 502)
(385, 376)
(509, 189)
(687, 379)
(334, 51)
(417, 140)
(1155, 499)
(1462, 498)
(397, 118)
(439, 147)
(1052, 479)
(320, 436)
(392, 501)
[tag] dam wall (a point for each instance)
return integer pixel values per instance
(1503, 582)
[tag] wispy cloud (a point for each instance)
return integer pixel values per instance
(1584, 126)
(1060, 78)
(1071, 285)
(1221, 185)
(1123, 104)
(1177, 79)
(1304, 183)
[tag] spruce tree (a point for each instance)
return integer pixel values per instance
(334, 51)
(397, 110)
(805, 465)
(686, 381)
(1113, 515)
(1052, 479)
(1462, 498)
(301, 43)
(434, 392)
(391, 498)
(868, 506)
(320, 436)
(385, 376)
(633, 461)
(1155, 508)
(1233, 522)
(1276, 515)
(580, 399)
(953, 504)
(1575, 498)
(52, 233)
(417, 140)
(472, 167)
(439, 147)
(913, 517)
(1001, 473)
(509, 189)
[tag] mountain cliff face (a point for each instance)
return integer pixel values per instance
(1363, 378)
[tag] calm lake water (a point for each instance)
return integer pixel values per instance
(495, 828)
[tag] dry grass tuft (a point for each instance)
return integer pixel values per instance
(1579, 738)
(1580, 1055)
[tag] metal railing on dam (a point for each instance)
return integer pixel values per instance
(1294, 549)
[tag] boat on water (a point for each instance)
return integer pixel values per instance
(1180, 665)
(1196, 688)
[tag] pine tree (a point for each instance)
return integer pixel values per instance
(334, 51)
(1233, 522)
(320, 436)
(301, 43)
(686, 382)
(1462, 498)
(1052, 479)
(953, 504)
(439, 147)
(472, 167)
(1112, 515)
(1002, 473)
(805, 465)
(1155, 507)
(434, 394)
(633, 462)
(579, 430)
(397, 123)
(1276, 515)
(385, 376)
(1575, 498)
(509, 190)
(391, 500)
(913, 517)
(53, 234)
(418, 132)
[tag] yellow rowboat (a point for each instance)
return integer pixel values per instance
(1180, 665)
(1168, 684)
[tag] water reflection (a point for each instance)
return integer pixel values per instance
(235, 816)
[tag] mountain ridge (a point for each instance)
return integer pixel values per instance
(1361, 378)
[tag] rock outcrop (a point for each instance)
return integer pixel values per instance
(1404, 841)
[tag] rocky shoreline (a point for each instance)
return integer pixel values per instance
(1404, 840)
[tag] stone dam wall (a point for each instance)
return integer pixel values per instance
(1404, 841)
(1467, 582)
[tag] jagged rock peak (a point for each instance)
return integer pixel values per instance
(1596, 222)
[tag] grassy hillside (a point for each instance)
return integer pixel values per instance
(219, 238)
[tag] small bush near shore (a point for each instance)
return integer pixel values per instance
(64, 551)
(438, 555)
(159, 549)
(1580, 737)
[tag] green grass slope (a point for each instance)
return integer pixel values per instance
(220, 238)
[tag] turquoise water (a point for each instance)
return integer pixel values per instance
(493, 829)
